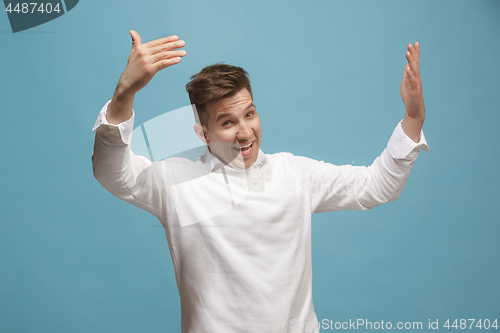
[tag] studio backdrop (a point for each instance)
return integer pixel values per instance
(326, 81)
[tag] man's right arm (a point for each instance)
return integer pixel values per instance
(131, 177)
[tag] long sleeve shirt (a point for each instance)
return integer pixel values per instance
(240, 240)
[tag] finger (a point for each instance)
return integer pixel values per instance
(413, 64)
(160, 41)
(411, 77)
(413, 52)
(167, 46)
(168, 55)
(417, 48)
(136, 39)
(162, 64)
(410, 48)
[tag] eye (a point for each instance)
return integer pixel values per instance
(249, 114)
(227, 122)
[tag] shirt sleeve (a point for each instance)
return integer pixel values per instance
(334, 187)
(130, 177)
(400, 145)
(126, 128)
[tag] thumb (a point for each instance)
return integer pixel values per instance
(136, 39)
(406, 77)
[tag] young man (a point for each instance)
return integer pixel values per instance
(238, 221)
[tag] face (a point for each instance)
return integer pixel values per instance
(233, 133)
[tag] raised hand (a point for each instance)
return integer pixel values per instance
(147, 59)
(144, 61)
(411, 94)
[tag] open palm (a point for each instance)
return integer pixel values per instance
(411, 85)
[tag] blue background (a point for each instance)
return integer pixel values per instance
(326, 77)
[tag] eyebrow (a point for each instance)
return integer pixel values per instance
(223, 114)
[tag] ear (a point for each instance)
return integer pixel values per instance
(200, 130)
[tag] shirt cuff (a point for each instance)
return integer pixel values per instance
(126, 127)
(400, 145)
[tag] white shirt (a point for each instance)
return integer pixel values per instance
(240, 240)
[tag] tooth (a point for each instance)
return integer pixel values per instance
(245, 146)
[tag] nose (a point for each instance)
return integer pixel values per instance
(244, 131)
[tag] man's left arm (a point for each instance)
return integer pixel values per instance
(359, 187)
(339, 187)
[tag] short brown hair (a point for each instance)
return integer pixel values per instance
(213, 83)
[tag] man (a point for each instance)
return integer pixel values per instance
(238, 221)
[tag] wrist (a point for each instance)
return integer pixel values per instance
(123, 92)
(120, 107)
(412, 126)
(415, 110)
(415, 119)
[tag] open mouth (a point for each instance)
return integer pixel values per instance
(246, 150)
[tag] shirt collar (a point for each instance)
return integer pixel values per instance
(210, 161)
